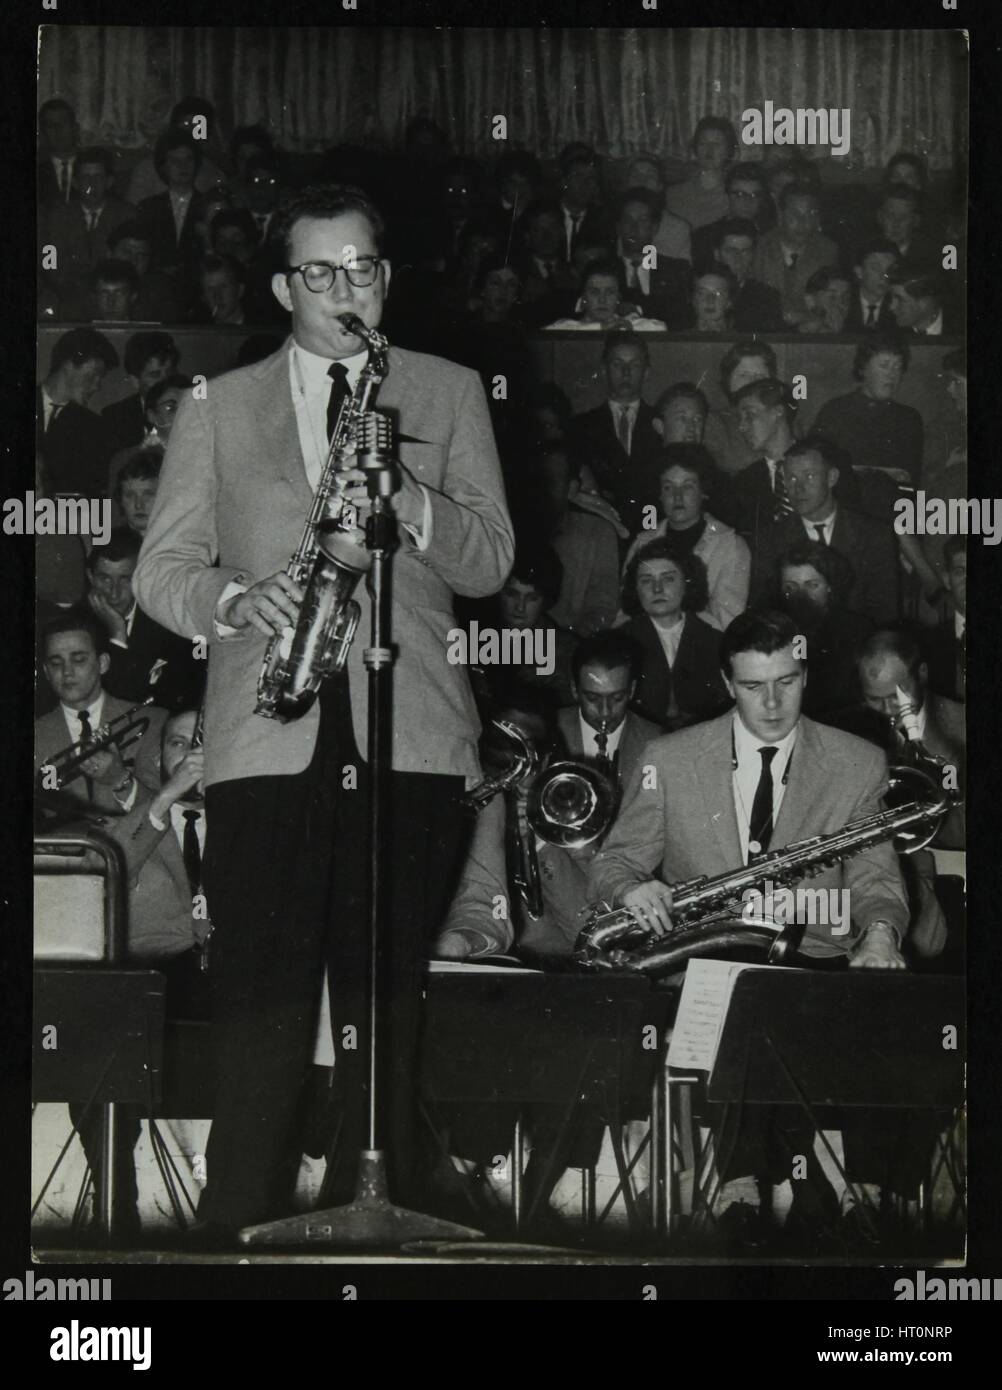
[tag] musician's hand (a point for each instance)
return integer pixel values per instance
(878, 950)
(271, 605)
(650, 904)
(110, 616)
(188, 773)
(453, 945)
(106, 767)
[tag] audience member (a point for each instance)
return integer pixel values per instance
(789, 255)
(827, 295)
(660, 289)
(79, 227)
(748, 360)
(757, 307)
(680, 414)
(171, 217)
(947, 643)
(672, 237)
(160, 299)
(702, 198)
(919, 304)
(195, 118)
(114, 292)
(586, 546)
(747, 201)
(584, 214)
(870, 305)
(58, 138)
(71, 440)
(601, 304)
(134, 488)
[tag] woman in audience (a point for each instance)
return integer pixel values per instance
(748, 360)
(600, 305)
(811, 584)
(702, 198)
(134, 490)
(680, 681)
(688, 529)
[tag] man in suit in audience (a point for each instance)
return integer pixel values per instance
(748, 201)
(160, 299)
(794, 249)
(80, 227)
(586, 218)
(144, 658)
(617, 440)
(660, 290)
(59, 137)
(919, 303)
(753, 499)
(75, 661)
(870, 305)
(549, 286)
(756, 307)
(899, 219)
(149, 357)
(171, 217)
(71, 440)
(811, 471)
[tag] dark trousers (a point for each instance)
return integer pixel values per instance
(285, 873)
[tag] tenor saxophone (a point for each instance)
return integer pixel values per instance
(706, 911)
(330, 559)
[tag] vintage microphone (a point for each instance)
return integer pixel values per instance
(371, 1220)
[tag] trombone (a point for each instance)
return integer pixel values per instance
(122, 732)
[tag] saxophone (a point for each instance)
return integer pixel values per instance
(706, 911)
(331, 557)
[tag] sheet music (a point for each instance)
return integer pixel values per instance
(702, 1012)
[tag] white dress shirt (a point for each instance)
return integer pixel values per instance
(959, 625)
(72, 717)
(670, 637)
(748, 771)
(828, 524)
(589, 739)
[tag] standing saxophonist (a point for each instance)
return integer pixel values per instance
(285, 865)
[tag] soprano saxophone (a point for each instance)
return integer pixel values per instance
(330, 559)
(706, 912)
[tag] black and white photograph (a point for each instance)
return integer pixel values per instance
(500, 523)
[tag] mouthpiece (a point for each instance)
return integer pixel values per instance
(351, 323)
(907, 715)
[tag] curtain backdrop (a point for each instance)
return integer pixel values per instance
(621, 90)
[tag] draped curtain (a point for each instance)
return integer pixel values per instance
(622, 90)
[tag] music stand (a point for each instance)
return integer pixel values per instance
(371, 1220)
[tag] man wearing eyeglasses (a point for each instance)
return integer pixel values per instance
(284, 869)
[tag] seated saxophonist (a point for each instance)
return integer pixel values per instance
(711, 797)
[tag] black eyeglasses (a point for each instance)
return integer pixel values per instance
(319, 276)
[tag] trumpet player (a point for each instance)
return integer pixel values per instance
(74, 660)
(285, 863)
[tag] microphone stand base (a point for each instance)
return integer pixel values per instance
(371, 1221)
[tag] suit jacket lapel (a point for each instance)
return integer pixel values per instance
(715, 776)
(276, 425)
(806, 773)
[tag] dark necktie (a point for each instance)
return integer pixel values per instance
(623, 430)
(54, 412)
(819, 531)
(760, 822)
(190, 851)
(782, 506)
(338, 374)
(602, 744)
(86, 733)
(871, 316)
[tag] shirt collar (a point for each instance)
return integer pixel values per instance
(94, 711)
(959, 624)
(746, 745)
(589, 735)
(315, 368)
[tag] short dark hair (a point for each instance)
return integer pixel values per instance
(914, 161)
(917, 281)
(824, 276)
(902, 192)
(97, 154)
(541, 567)
(877, 245)
(892, 640)
(720, 124)
(721, 271)
(175, 382)
(542, 207)
(174, 140)
(142, 465)
(734, 226)
(650, 200)
(692, 568)
(232, 217)
(148, 346)
(576, 153)
(800, 188)
(75, 619)
(123, 544)
(746, 173)
(882, 340)
(191, 106)
(112, 271)
(610, 650)
(324, 201)
(250, 135)
(832, 455)
(133, 230)
(547, 395)
(831, 564)
(82, 345)
(209, 264)
(694, 458)
(768, 391)
(489, 265)
(767, 630)
(559, 449)
(805, 172)
(681, 391)
(605, 265)
(620, 337)
(746, 347)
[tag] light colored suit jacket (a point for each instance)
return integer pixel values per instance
(52, 737)
(685, 824)
(234, 488)
(160, 922)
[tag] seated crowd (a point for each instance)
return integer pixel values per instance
(658, 538)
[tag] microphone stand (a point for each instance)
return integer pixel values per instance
(371, 1220)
